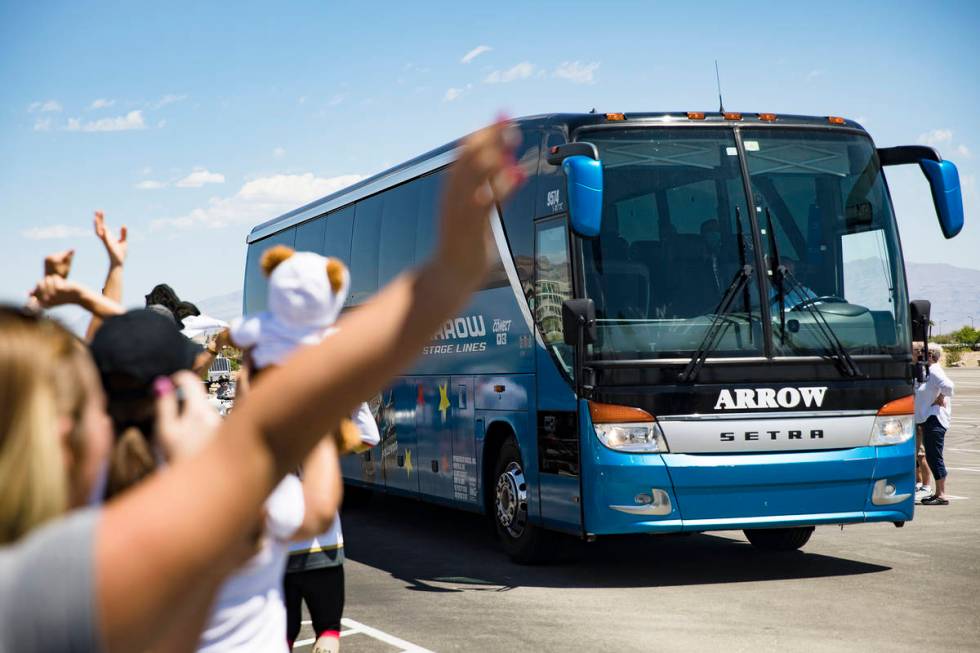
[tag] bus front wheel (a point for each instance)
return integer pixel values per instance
(779, 539)
(522, 541)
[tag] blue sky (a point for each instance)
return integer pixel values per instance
(191, 122)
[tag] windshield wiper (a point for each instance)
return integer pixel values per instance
(781, 275)
(741, 261)
(837, 351)
(719, 324)
(777, 278)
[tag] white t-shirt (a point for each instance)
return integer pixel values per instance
(926, 393)
(248, 613)
(333, 537)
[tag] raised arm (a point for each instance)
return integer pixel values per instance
(116, 249)
(323, 489)
(57, 291)
(183, 520)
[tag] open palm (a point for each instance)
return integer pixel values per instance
(115, 247)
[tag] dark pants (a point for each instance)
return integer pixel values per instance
(323, 591)
(934, 435)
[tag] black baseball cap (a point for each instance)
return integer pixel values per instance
(133, 349)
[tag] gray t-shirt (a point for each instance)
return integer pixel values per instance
(47, 588)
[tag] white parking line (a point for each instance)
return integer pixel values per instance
(963, 450)
(356, 627)
(406, 647)
(965, 469)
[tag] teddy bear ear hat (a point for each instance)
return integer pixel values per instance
(272, 257)
(302, 290)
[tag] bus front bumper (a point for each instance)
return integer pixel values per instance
(664, 493)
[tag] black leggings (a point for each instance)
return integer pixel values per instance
(323, 591)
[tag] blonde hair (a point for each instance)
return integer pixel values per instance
(41, 386)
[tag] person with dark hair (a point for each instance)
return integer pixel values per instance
(131, 351)
(164, 295)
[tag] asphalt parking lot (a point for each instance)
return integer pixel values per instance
(426, 578)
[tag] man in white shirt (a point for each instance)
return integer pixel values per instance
(933, 410)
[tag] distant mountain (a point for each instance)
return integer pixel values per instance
(953, 291)
(224, 307)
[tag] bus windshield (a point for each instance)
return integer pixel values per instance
(677, 235)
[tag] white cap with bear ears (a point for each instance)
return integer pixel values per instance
(303, 306)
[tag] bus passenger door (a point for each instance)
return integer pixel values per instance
(435, 437)
(465, 472)
(399, 446)
(559, 457)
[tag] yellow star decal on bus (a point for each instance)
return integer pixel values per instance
(443, 400)
(408, 462)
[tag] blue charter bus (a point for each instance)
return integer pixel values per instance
(696, 322)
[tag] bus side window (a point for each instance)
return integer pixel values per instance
(518, 212)
(430, 190)
(337, 235)
(309, 235)
(398, 230)
(364, 249)
(552, 283)
(256, 286)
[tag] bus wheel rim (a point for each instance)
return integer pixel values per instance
(511, 500)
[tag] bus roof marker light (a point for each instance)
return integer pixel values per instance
(615, 116)
(767, 117)
(732, 115)
(695, 115)
(835, 120)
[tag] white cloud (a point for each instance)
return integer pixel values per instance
(101, 103)
(522, 70)
(474, 53)
(42, 125)
(936, 137)
(336, 99)
(132, 120)
(279, 152)
(199, 177)
(943, 139)
(150, 184)
(814, 74)
(258, 199)
(577, 72)
(167, 99)
(54, 231)
(44, 107)
(455, 93)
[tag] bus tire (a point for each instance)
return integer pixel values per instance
(523, 542)
(779, 539)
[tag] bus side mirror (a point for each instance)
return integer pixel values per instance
(944, 180)
(920, 310)
(583, 175)
(578, 321)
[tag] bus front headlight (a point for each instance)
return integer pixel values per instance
(892, 429)
(636, 437)
(895, 422)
